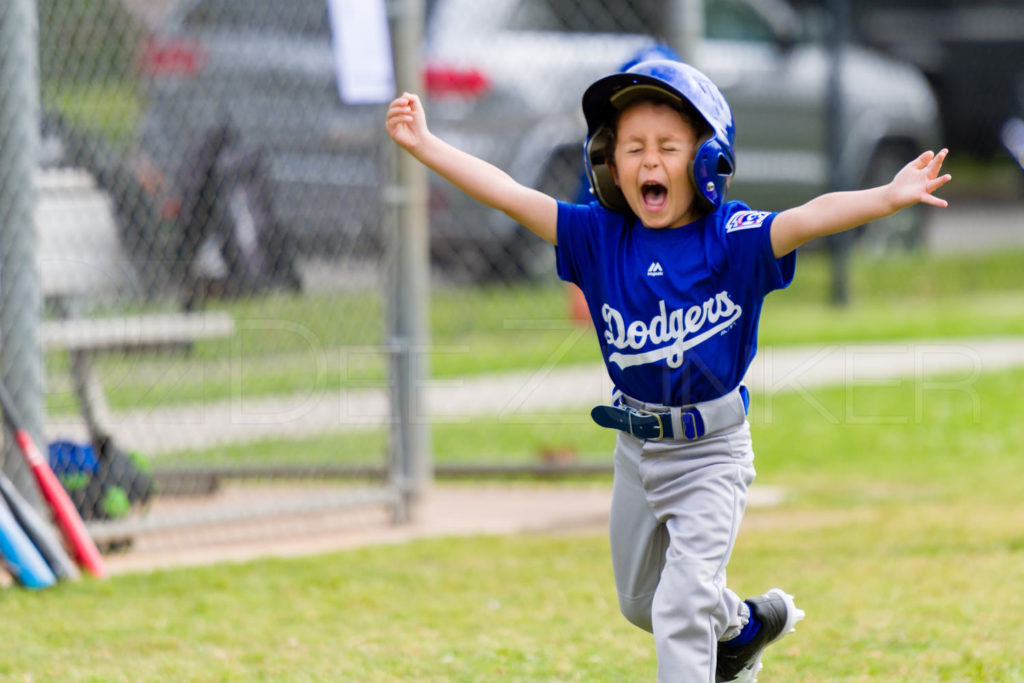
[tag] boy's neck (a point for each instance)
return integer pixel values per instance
(692, 216)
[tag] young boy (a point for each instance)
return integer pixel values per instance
(674, 278)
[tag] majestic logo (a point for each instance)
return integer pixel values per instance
(678, 330)
(745, 220)
(655, 269)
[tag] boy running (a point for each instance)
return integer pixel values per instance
(674, 277)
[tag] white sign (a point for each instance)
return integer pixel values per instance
(362, 51)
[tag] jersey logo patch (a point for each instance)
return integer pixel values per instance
(745, 220)
(655, 269)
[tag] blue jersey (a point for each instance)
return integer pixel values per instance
(676, 310)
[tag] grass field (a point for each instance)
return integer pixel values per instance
(902, 533)
(287, 344)
(902, 536)
(897, 299)
(109, 109)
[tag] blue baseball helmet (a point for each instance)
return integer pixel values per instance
(676, 83)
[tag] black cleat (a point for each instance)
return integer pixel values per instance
(778, 616)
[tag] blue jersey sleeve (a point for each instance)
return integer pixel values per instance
(745, 237)
(575, 251)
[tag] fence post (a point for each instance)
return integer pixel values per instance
(410, 437)
(685, 27)
(839, 245)
(20, 289)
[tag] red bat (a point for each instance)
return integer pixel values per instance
(64, 512)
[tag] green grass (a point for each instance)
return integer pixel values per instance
(286, 344)
(935, 424)
(484, 440)
(910, 297)
(111, 109)
(996, 179)
(933, 440)
(902, 536)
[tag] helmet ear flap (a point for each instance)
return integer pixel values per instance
(713, 166)
(598, 152)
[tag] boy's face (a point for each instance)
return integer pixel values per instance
(654, 148)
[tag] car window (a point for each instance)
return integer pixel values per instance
(726, 20)
(578, 16)
(296, 17)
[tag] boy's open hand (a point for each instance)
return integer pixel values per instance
(406, 121)
(918, 180)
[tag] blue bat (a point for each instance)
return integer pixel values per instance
(42, 535)
(22, 558)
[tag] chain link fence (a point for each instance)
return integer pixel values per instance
(214, 261)
(217, 245)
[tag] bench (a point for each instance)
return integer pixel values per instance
(82, 263)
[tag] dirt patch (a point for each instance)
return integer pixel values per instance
(446, 510)
(227, 534)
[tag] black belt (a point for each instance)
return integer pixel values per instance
(646, 421)
(644, 424)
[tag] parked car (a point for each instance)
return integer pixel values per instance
(539, 56)
(504, 80)
(971, 52)
(262, 73)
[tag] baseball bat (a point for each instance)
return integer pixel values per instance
(23, 559)
(39, 531)
(64, 512)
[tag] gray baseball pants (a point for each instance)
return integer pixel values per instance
(676, 509)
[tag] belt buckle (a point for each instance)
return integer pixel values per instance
(689, 424)
(656, 416)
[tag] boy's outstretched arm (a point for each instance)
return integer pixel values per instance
(407, 125)
(838, 211)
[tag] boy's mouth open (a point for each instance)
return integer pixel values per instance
(654, 195)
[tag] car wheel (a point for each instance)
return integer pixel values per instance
(904, 230)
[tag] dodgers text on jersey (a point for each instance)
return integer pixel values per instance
(681, 329)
